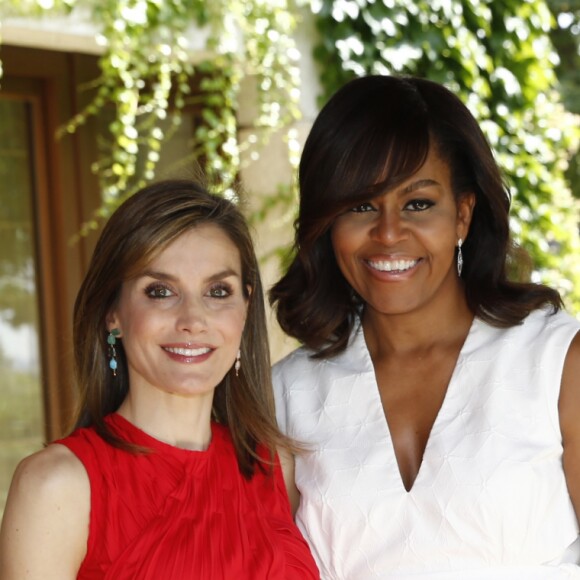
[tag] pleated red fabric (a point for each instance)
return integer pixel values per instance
(175, 514)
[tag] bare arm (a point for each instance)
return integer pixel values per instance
(46, 522)
(287, 463)
(569, 408)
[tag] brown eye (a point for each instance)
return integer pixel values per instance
(220, 291)
(362, 208)
(419, 204)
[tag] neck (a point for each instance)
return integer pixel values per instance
(175, 420)
(416, 332)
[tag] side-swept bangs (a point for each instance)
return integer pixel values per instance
(359, 148)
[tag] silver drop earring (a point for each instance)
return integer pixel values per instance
(459, 257)
(238, 363)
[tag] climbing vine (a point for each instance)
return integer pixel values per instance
(498, 57)
(147, 74)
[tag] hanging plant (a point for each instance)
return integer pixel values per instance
(146, 78)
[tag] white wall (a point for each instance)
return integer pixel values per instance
(73, 33)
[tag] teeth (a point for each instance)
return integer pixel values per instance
(393, 265)
(189, 351)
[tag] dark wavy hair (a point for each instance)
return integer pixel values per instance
(372, 135)
(137, 231)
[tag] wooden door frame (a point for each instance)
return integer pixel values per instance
(65, 194)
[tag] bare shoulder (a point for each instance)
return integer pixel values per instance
(49, 477)
(45, 526)
(51, 469)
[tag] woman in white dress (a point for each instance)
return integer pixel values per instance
(438, 400)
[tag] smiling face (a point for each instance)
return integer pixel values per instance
(181, 320)
(397, 250)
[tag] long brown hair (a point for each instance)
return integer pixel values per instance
(372, 135)
(136, 232)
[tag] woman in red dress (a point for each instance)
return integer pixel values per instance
(172, 471)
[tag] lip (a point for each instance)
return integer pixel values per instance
(188, 352)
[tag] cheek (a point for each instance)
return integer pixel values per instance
(136, 322)
(437, 232)
(343, 241)
(230, 319)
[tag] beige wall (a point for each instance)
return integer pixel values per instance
(261, 177)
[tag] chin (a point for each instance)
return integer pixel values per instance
(392, 309)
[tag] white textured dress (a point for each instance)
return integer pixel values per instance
(490, 499)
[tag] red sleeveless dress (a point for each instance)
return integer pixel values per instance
(175, 514)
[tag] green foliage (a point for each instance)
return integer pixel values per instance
(566, 38)
(498, 57)
(147, 75)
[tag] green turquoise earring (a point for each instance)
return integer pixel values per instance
(111, 340)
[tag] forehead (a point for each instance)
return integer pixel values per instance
(399, 163)
(204, 247)
(433, 170)
(202, 239)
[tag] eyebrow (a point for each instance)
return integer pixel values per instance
(170, 278)
(420, 184)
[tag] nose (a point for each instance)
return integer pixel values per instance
(191, 315)
(389, 227)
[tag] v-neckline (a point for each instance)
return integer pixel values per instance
(444, 405)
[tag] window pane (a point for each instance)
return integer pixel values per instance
(21, 413)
